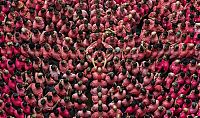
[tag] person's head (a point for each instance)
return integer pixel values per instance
(37, 109)
(50, 9)
(80, 83)
(122, 62)
(133, 81)
(193, 62)
(99, 59)
(54, 93)
(8, 105)
(24, 104)
(15, 95)
(148, 74)
(79, 93)
(194, 104)
(176, 90)
(99, 70)
(186, 86)
(37, 85)
(153, 101)
(115, 99)
(31, 10)
(141, 105)
(190, 116)
(49, 98)
(2, 84)
(60, 86)
(147, 22)
(79, 101)
(198, 47)
(30, 95)
(68, 72)
(62, 108)
(115, 85)
(43, 102)
(182, 96)
(19, 110)
(1, 112)
(40, 75)
(196, 91)
(10, 62)
(100, 108)
(99, 95)
(19, 86)
(66, 99)
(183, 25)
(168, 98)
(55, 47)
(160, 108)
(56, 112)
(66, 80)
(198, 37)
(138, 86)
(176, 106)
(129, 77)
(169, 113)
(150, 96)
(192, 34)
(120, 90)
(128, 97)
(38, 46)
(146, 64)
(143, 91)
(43, 10)
(99, 88)
(192, 8)
(187, 101)
(111, 74)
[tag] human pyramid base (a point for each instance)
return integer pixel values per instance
(99, 58)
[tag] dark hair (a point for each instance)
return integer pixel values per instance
(56, 112)
(37, 109)
(15, 95)
(43, 101)
(100, 108)
(147, 22)
(62, 108)
(115, 99)
(49, 98)
(24, 103)
(30, 95)
(19, 86)
(124, 71)
(10, 62)
(37, 85)
(38, 46)
(19, 110)
(80, 74)
(31, 10)
(7, 104)
(128, 97)
(61, 86)
(79, 101)
(187, 101)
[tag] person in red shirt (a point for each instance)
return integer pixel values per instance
(16, 100)
(26, 108)
(63, 112)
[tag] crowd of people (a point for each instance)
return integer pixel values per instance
(99, 58)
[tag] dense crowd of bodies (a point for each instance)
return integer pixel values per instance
(99, 58)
